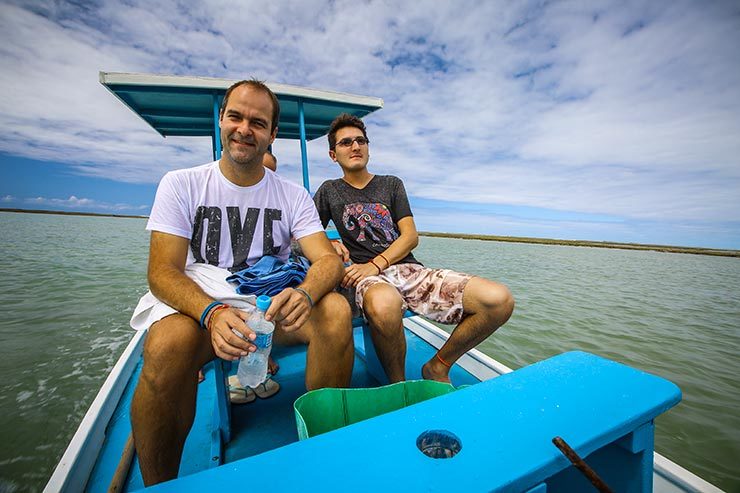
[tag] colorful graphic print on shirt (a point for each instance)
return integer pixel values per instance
(370, 221)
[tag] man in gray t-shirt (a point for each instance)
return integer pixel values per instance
(374, 220)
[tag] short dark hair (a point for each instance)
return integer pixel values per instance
(342, 121)
(259, 86)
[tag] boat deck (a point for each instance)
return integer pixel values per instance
(96, 449)
(604, 409)
(257, 427)
(268, 424)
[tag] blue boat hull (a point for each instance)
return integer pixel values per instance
(263, 434)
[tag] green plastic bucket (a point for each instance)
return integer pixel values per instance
(323, 410)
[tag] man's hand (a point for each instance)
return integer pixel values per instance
(341, 250)
(357, 272)
(226, 344)
(290, 308)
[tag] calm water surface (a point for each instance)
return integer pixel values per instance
(69, 284)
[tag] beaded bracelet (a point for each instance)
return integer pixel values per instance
(376, 266)
(205, 312)
(213, 314)
(304, 293)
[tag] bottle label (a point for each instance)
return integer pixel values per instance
(263, 341)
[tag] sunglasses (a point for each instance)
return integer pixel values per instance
(348, 142)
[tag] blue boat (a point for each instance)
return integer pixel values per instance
(495, 433)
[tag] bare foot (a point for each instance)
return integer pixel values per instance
(272, 366)
(434, 370)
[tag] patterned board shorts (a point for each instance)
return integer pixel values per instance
(434, 293)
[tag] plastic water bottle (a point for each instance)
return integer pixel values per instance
(252, 369)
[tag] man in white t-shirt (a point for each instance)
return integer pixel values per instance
(227, 215)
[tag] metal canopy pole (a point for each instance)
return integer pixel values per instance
(304, 154)
(216, 137)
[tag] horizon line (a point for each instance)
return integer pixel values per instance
(469, 236)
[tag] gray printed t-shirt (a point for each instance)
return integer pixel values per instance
(367, 218)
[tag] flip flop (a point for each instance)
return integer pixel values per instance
(266, 389)
(239, 394)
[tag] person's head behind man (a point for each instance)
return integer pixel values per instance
(248, 120)
(269, 161)
(348, 142)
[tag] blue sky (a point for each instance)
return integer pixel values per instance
(596, 120)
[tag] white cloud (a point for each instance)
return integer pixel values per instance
(624, 109)
(7, 198)
(83, 203)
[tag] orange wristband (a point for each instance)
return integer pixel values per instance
(443, 361)
(213, 312)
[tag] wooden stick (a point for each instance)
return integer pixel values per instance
(119, 477)
(579, 464)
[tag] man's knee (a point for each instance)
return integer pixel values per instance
(334, 305)
(382, 303)
(173, 349)
(492, 297)
(333, 316)
(500, 297)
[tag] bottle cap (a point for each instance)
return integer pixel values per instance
(263, 302)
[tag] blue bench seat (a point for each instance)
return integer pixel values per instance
(604, 410)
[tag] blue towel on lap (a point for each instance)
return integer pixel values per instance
(270, 275)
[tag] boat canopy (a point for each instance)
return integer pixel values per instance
(189, 106)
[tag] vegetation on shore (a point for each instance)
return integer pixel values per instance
(69, 213)
(585, 243)
(464, 236)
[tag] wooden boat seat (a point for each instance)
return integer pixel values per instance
(505, 426)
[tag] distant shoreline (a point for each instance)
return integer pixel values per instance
(586, 243)
(69, 213)
(465, 236)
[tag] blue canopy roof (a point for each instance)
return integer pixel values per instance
(188, 106)
(184, 106)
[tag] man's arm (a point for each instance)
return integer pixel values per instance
(291, 307)
(168, 282)
(341, 250)
(166, 275)
(407, 240)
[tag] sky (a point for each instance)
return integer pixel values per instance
(591, 120)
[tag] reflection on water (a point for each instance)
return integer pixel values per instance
(70, 283)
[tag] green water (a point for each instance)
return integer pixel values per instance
(69, 284)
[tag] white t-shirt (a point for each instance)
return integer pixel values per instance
(231, 226)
